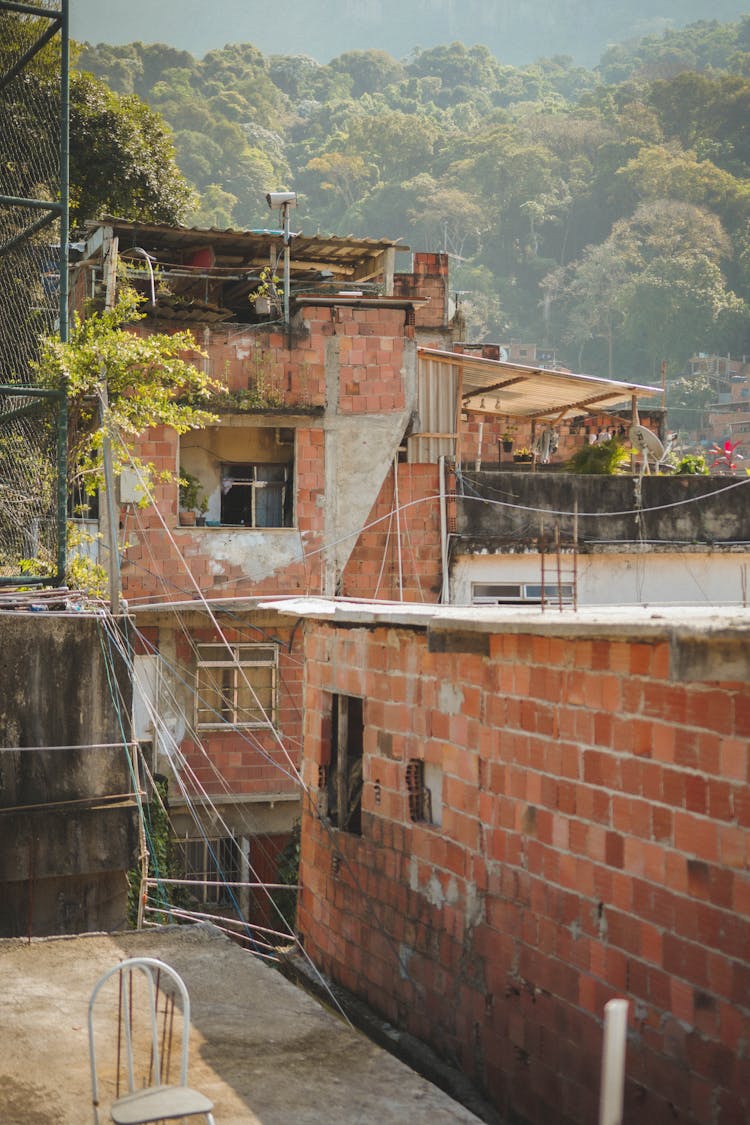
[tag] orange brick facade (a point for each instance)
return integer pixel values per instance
(341, 362)
(594, 843)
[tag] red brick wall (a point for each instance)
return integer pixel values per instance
(429, 280)
(253, 761)
(373, 568)
(153, 563)
(370, 363)
(594, 843)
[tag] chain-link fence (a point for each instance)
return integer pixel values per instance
(33, 283)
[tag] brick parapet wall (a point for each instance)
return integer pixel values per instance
(594, 843)
(427, 281)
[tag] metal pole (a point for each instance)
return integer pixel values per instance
(113, 563)
(62, 418)
(287, 264)
(445, 595)
(613, 1062)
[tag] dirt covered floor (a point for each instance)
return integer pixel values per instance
(264, 1051)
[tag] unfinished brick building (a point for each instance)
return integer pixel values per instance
(513, 818)
(309, 448)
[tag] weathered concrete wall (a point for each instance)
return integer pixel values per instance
(593, 794)
(670, 509)
(67, 816)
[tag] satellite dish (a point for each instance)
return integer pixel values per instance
(649, 446)
(645, 441)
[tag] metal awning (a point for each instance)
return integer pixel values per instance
(348, 259)
(514, 390)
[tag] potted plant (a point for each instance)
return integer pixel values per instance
(202, 509)
(191, 498)
(523, 455)
(506, 437)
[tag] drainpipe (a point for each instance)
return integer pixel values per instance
(445, 595)
(397, 506)
(287, 263)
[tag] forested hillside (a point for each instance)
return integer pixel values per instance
(603, 212)
(514, 30)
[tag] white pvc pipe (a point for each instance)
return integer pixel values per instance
(445, 595)
(613, 1062)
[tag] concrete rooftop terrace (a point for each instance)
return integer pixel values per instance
(264, 1051)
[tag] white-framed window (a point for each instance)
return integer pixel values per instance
(236, 686)
(520, 593)
(205, 862)
(256, 494)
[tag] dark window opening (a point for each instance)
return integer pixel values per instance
(257, 495)
(345, 771)
(420, 798)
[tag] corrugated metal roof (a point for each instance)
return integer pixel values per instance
(489, 386)
(355, 257)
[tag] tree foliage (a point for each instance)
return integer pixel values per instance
(120, 383)
(605, 213)
(121, 158)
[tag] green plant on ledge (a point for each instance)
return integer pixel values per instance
(603, 458)
(692, 465)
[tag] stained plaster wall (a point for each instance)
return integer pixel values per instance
(681, 510)
(67, 820)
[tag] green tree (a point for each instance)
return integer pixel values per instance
(148, 382)
(121, 158)
(370, 71)
(346, 176)
(215, 208)
(592, 291)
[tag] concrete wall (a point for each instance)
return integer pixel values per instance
(67, 816)
(682, 510)
(594, 800)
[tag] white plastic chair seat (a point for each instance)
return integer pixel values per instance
(157, 1103)
(142, 1052)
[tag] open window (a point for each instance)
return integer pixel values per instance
(256, 494)
(245, 474)
(345, 769)
(236, 686)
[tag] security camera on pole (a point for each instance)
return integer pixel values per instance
(283, 201)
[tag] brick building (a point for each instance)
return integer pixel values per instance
(308, 449)
(513, 818)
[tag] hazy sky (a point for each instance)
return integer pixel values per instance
(516, 31)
